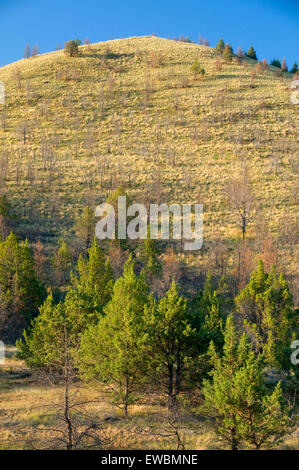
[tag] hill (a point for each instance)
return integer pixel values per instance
(130, 112)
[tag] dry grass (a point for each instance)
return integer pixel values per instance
(26, 405)
(129, 111)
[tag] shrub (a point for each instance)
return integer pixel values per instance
(295, 68)
(251, 53)
(197, 69)
(228, 53)
(275, 63)
(71, 48)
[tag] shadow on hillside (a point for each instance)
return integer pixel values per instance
(107, 56)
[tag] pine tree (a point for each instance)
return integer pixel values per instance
(228, 53)
(265, 306)
(49, 346)
(220, 45)
(251, 53)
(91, 287)
(246, 412)
(20, 292)
(85, 228)
(111, 350)
(150, 256)
(295, 68)
(197, 69)
(61, 261)
(168, 341)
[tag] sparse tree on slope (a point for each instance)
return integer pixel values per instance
(246, 412)
(111, 350)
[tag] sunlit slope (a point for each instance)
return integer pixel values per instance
(130, 112)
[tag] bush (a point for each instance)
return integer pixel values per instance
(251, 53)
(71, 48)
(276, 63)
(197, 69)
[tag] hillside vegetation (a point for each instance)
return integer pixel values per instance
(130, 112)
(143, 344)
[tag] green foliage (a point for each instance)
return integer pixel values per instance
(246, 412)
(20, 291)
(61, 261)
(85, 228)
(5, 206)
(207, 317)
(91, 287)
(228, 53)
(294, 68)
(265, 306)
(111, 350)
(197, 69)
(150, 256)
(220, 45)
(251, 53)
(276, 63)
(168, 341)
(71, 48)
(50, 340)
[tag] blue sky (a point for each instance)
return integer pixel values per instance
(271, 26)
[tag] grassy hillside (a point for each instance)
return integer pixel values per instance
(130, 112)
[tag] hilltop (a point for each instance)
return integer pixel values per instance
(130, 112)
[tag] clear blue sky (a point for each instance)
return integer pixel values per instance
(271, 26)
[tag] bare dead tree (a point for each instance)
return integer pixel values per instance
(240, 197)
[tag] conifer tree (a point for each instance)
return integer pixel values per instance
(220, 45)
(246, 413)
(228, 53)
(91, 287)
(251, 53)
(265, 307)
(49, 346)
(20, 292)
(295, 68)
(111, 350)
(62, 261)
(168, 341)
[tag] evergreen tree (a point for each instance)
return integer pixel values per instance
(295, 68)
(246, 412)
(20, 291)
(111, 350)
(150, 256)
(168, 341)
(207, 317)
(220, 45)
(265, 306)
(197, 69)
(49, 346)
(91, 287)
(61, 261)
(275, 63)
(251, 53)
(228, 53)
(85, 228)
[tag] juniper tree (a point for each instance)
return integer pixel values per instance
(220, 45)
(251, 53)
(49, 347)
(169, 337)
(265, 306)
(197, 69)
(228, 53)
(85, 228)
(20, 291)
(246, 412)
(61, 261)
(91, 286)
(111, 350)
